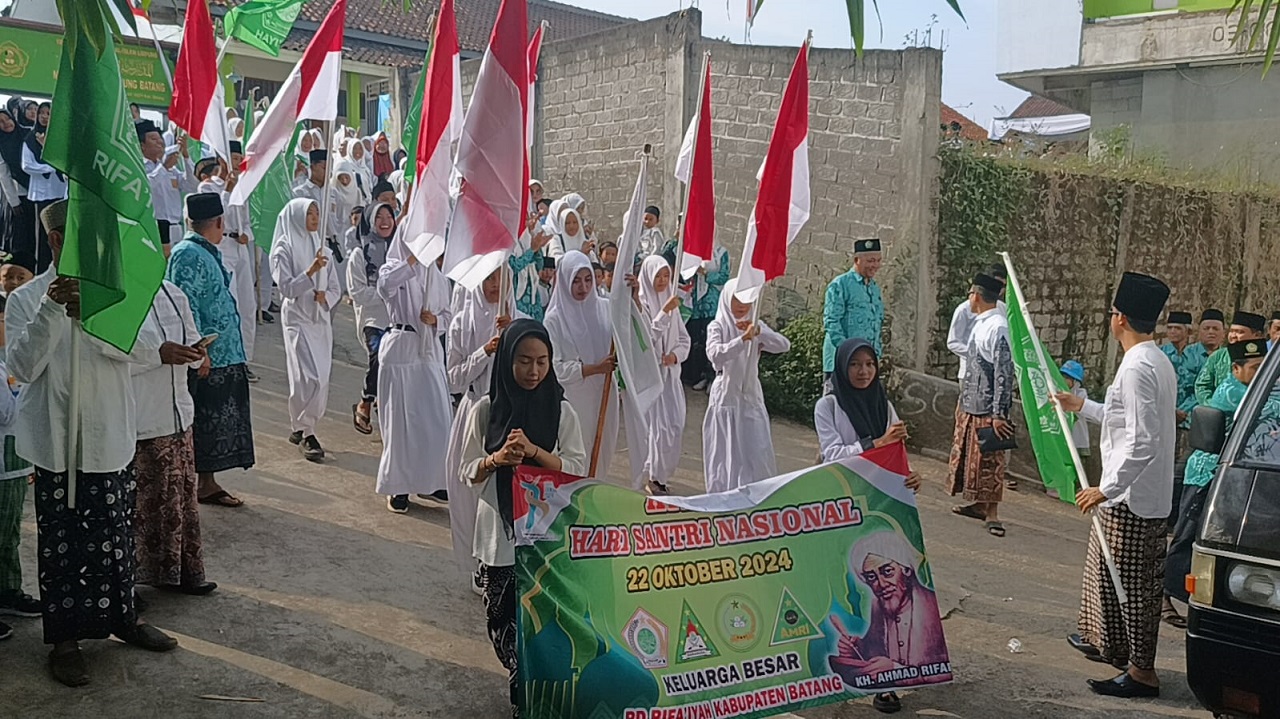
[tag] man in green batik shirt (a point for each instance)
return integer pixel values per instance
(853, 306)
(1187, 361)
(1245, 358)
(1244, 326)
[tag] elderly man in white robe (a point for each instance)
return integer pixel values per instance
(308, 282)
(413, 395)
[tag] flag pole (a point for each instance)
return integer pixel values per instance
(73, 416)
(164, 62)
(684, 197)
(324, 213)
(1081, 479)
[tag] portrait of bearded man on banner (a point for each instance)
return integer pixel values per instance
(903, 644)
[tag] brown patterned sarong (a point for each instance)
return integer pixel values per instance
(979, 476)
(167, 519)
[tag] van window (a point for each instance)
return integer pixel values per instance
(1262, 443)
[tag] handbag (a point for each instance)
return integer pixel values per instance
(989, 441)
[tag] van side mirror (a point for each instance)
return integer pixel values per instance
(1208, 429)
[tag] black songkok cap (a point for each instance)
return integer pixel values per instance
(204, 206)
(206, 164)
(1141, 297)
(1246, 350)
(236, 147)
(382, 186)
(144, 127)
(1257, 323)
(653, 210)
(318, 156)
(988, 283)
(1212, 316)
(1179, 318)
(1275, 316)
(863, 246)
(548, 263)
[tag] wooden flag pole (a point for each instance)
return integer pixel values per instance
(604, 413)
(73, 415)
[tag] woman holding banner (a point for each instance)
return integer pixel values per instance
(737, 445)
(578, 323)
(523, 420)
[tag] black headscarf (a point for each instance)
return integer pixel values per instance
(37, 150)
(11, 152)
(18, 110)
(536, 411)
(867, 409)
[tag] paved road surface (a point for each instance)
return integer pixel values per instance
(330, 606)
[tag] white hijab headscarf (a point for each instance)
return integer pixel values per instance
(653, 301)
(585, 322)
(236, 125)
(363, 164)
(552, 223)
(724, 311)
(351, 195)
(572, 242)
(291, 230)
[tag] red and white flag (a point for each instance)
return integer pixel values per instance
(197, 105)
(535, 48)
(427, 216)
(492, 157)
(782, 202)
(309, 93)
(694, 169)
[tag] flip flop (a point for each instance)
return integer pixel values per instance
(1170, 616)
(968, 510)
(995, 529)
(221, 498)
(360, 421)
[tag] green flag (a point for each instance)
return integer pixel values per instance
(263, 24)
(112, 244)
(273, 193)
(1037, 377)
(413, 121)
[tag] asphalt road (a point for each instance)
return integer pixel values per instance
(330, 606)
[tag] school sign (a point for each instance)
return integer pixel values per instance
(30, 54)
(798, 591)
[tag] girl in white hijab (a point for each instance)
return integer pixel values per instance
(413, 395)
(671, 341)
(572, 237)
(308, 282)
(737, 446)
(578, 323)
(472, 340)
(236, 125)
(362, 162)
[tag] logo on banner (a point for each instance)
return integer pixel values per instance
(739, 622)
(792, 623)
(696, 643)
(647, 638)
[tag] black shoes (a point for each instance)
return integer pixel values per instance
(1123, 687)
(1092, 653)
(398, 503)
(19, 604)
(311, 449)
(887, 703)
(6, 631)
(68, 667)
(194, 590)
(440, 495)
(145, 636)
(295, 438)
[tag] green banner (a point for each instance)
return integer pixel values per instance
(798, 591)
(1037, 377)
(264, 24)
(29, 60)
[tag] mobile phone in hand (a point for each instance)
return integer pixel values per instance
(204, 342)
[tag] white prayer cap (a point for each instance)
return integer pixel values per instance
(887, 545)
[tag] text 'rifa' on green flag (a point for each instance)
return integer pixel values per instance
(1038, 377)
(263, 24)
(111, 244)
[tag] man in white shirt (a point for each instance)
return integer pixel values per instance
(166, 522)
(962, 321)
(170, 178)
(1139, 431)
(86, 551)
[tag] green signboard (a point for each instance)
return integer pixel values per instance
(793, 592)
(1097, 9)
(29, 59)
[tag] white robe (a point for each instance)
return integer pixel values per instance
(666, 417)
(237, 259)
(573, 333)
(308, 325)
(737, 445)
(413, 397)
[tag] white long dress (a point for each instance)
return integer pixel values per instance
(413, 396)
(308, 325)
(469, 370)
(581, 335)
(737, 445)
(666, 417)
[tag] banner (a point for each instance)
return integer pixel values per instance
(30, 58)
(802, 590)
(1038, 376)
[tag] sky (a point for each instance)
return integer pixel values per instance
(969, 82)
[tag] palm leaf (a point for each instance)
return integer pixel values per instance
(1265, 8)
(858, 23)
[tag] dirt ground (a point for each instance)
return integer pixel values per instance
(330, 606)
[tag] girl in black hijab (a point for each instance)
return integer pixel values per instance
(524, 421)
(18, 212)
(857, 417)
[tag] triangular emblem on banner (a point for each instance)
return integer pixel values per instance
(792, 624)
(694, 642)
